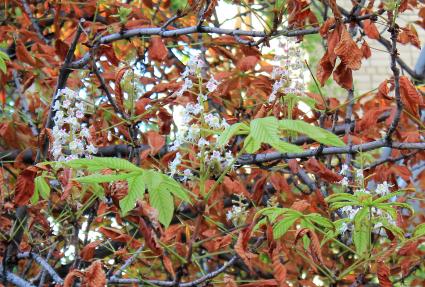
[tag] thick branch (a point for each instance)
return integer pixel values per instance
(138, 32)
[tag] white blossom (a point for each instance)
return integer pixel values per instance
(175, 163)
(203, 142)
(212, 84)
(383, 188)
(68, 132)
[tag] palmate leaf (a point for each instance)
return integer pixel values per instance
(265, 130)
(162, 200)
(100, 178)
(341, 197)
(41, 188)
(282, 146)
(99, 163)
(320, 135)
(280, 228)
(230, 131)
(251, 145)
(361, 234)
(419, 230)
(317, 219)
(136, 190)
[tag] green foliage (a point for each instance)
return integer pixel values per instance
(267, 130)
(284, 218)
(370, 212)
(3, 59)
(161, 188)
(41, 188)
(321, 135)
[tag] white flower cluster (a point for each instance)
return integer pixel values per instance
(68, 131)
(290, 77)
(351, 211)
(194, 119)
(194, 65)
(237, 214)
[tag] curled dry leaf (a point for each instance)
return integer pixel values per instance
(157, 50)
(279, 270)
(94, 276)
(25, 186)
(87, 252)
(409, 35)
(315, 250)
(324, 69)
(348, 51)
(366, 50)
(343, 76)
(71, 276)
(370, 29)
(384, 275)
(410, 97)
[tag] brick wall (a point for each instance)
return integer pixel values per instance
(377, 68)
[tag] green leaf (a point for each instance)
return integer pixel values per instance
(99, 163)
(321, 135)
(338, 205)
(286, 147)
(100, 178)
(162, 200)
(251, 145)
(361, 234)
(136, 190)
(280, 228)
(2, 66)
(265, 130)
(42, 187)
(397, 231)
(230, 131)
(320, 220)
(419, 230)
(174, 187)
(341, 197)
(387, 197)
(4, 56)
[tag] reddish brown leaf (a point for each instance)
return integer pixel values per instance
(324, 69)
(279, 270)
(25, 186)
(370, 29)
(229, 281)
(70, 277)
(262, 283)
(409, 35)
(300, 205)
(241, 248)
(247, 63)
(155, 141)
(343, 76)
(61, 48)
(157, 49)
(150, 238)
(23, 55)
(88, 251)
(94, 275)
(384, 275)
(348, 51)
(118, 91)
(168, 265)
(324, 29)
(314, 247)
(366, 50)
(410, 97)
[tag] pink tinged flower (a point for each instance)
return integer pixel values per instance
(212, 84)
(66, 103)
(91, 149)
(79, 114)
(203, 142)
